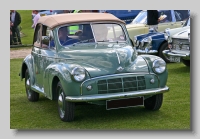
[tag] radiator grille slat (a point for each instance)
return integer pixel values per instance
(124, 84)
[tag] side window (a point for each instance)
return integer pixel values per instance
(181, 14)
(165, 16)
(46, 37)
(37, 36)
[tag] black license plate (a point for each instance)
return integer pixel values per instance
(124, 103)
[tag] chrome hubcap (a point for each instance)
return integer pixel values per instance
(61, 103)
(28, 86)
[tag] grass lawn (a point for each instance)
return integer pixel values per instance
(173, 115)
(26, 23)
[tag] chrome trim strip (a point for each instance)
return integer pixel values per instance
(169, 53)
(118, 57)
(98, 97)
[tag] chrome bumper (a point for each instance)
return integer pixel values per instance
(169, 53)
(97, 97)
(147, 52)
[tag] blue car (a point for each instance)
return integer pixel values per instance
(156, 42)
(126, 15)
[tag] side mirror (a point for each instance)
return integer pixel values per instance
(45, 40)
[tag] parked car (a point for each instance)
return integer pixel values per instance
(179, 47)
(48, 12)
(155, 42)
(174, 19)
(95, 69)
(126, 15)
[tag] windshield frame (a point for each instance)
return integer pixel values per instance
(140, 18)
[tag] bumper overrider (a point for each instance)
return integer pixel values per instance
(176, 54)
(120, 95)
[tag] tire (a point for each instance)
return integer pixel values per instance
(31, 95)
(186, 62)
(164, 46)
(154, 103)
(65, 108)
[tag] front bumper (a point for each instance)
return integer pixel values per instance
(176, 54)
(140, 51)
(120, 95)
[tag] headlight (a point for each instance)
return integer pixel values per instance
(167, 33)
(169, 40)
(189, 37)
(159, 66)
(149, 39)
(142, 43)
(136, 42)
(78, 74)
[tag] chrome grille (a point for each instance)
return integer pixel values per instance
(125, 84)
(181, 44)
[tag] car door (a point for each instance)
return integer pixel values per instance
(47, 56)
(43, 56)
(168, 22)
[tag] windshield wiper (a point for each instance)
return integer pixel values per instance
(84, 41)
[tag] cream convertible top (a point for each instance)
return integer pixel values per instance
(60, 19)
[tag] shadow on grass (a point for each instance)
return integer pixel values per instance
(178, 68)
(91, 112)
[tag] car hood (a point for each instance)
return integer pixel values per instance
(182, 35)
(102, 59)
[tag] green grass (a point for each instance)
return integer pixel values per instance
(173, 115)
(26, 24)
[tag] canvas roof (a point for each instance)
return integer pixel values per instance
(60, 19)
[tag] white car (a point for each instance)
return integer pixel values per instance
(179, 47)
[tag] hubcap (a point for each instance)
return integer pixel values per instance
(28, 87)
(61, 103)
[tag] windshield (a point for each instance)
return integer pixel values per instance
(187, 23)
(140, 18)
(90, 33)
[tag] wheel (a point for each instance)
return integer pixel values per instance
(164, 46)
(31, 95)
(154, 103)
(186, 62)
(65, 108)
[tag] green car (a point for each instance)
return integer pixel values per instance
(95, 65)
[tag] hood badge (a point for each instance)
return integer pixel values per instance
(119, 69)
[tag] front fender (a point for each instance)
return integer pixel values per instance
(163, 76)
(27, 63)
(62, 72)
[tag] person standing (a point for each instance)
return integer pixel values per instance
(36, 18)
(153, 19)
(15, 19)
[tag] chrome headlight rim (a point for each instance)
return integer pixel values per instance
(167, 33)
(141, 43)
(159, 66)
(149, 41)
(189, 37)
(78, 74)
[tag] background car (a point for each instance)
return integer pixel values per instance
(156, 42)
(48, 12)
(179, 47)
(97, 68)
(126, 15)
(174, 19)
